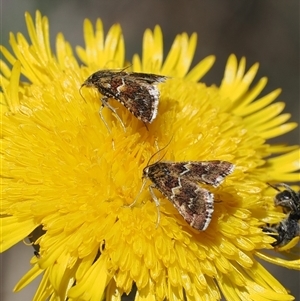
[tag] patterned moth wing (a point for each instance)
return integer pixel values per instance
(178, 182)
(208, 172)
(137, 92)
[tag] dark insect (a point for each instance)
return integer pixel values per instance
(137, 92)
(289, 227)
(287, 199)
(178, 181)
(285, 230)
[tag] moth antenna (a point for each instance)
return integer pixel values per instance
(159, 152)
(115, 69)
(127, 67)
(81, 93)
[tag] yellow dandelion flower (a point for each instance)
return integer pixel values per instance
(62, 170)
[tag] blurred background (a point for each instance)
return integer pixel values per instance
(264, 31)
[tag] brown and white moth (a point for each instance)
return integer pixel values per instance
(178, 181)
(137, 92)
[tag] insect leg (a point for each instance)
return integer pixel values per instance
(101, 116)
(106, 104)
(157, 203)
(137, 197)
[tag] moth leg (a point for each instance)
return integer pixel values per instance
(137, 197)
(106, 104)
(157, 203)
(101, 116)
(155, 199)
(134, 202)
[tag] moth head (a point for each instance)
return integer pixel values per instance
(90, 81)
(145, 172)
